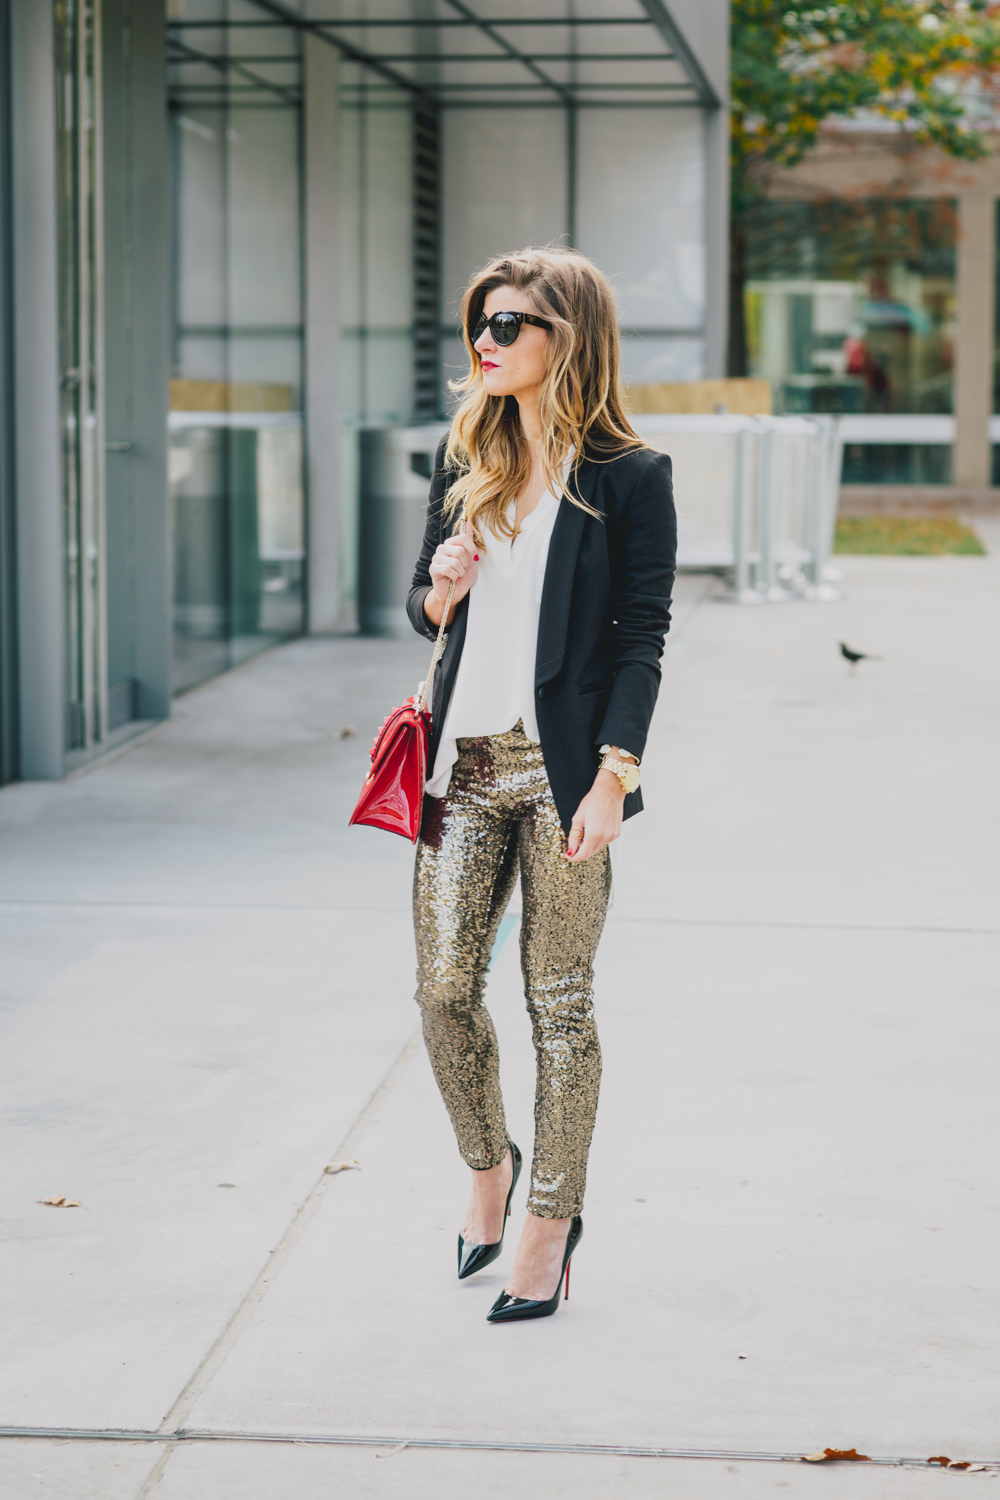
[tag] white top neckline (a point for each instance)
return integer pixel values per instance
(495, 683)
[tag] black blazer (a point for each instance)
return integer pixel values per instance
(605, 611)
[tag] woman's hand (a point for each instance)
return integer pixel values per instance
(456, 560)
(598, 819)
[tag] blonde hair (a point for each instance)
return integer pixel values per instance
(581, 400)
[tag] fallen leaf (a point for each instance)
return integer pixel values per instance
(346, 732)
(398, 1449)
(741, 1356)
(952, 1463)
(61, 1202)
(845, 1453)
(977, 1468)
(342, 1166)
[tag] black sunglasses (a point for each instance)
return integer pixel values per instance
(505, 326)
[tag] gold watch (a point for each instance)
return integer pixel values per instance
(627, 774)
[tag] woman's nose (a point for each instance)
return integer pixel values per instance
(484, 343)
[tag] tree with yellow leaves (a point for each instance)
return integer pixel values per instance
(795, 65)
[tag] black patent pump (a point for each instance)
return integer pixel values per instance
(508, 1309)
(473, 1258)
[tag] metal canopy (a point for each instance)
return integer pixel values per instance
(575, 53)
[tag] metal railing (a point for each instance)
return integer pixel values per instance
(756, 501)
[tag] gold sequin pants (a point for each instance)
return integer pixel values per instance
(499, 815)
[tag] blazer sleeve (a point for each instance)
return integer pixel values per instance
(644, 562)
(422, 585)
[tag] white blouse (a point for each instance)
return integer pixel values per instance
(495, 684)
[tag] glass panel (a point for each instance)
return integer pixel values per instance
(850, 304)
(376, 217)
(198, 490)
(649, 361)
(640, 212)
(236, 453)
(376, 242)
(896, 463)
(262, 169)
(504, 186)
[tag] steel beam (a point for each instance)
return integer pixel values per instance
(675, 39)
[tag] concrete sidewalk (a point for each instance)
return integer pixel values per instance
(791, 1222)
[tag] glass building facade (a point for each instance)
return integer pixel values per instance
(238, 236)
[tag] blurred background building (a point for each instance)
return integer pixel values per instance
(871, 293)
(235, 233)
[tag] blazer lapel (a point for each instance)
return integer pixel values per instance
(560, 570)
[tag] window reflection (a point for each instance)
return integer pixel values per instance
(850, 304)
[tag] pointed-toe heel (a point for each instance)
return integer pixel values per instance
(508, 1309)
(473, 1258)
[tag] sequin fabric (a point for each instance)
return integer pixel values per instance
(499, 817)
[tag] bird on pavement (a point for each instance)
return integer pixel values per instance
(855, 656)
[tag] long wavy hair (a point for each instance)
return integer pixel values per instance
(582, 411)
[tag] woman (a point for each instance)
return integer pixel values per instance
(553, 529)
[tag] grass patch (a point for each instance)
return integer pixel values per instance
(906, 536)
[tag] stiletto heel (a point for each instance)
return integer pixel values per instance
(473, 1258)
(508, 1309)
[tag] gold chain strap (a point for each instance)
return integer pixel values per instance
(439, 644)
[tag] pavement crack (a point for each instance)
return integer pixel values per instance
(156, 1472)
(217, 1355)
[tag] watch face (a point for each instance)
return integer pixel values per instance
(631, 778)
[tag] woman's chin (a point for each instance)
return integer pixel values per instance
(494, 387)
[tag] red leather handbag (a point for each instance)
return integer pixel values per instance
(393, 793)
